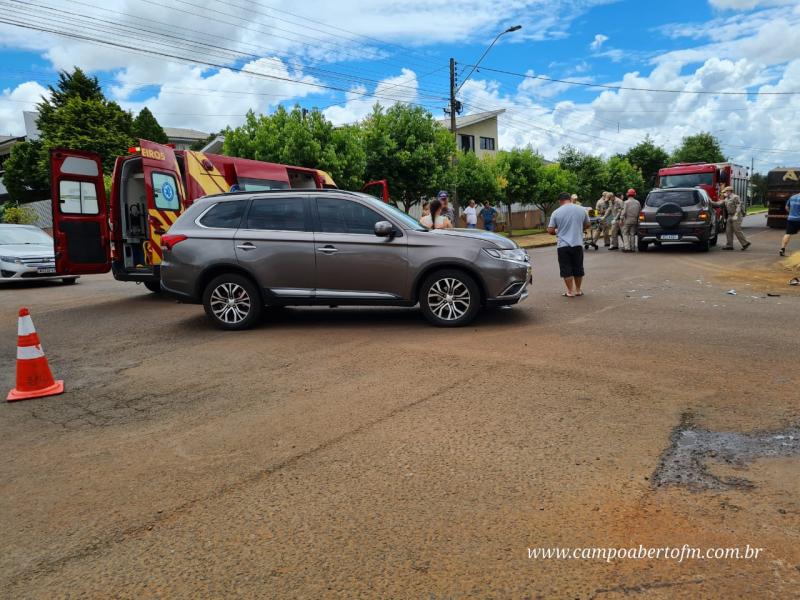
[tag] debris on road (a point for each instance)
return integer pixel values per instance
(731, 292)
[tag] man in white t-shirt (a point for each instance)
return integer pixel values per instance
(471, 214)
(567, 223)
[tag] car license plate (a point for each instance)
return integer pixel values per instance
(46, 269)
(669, 237)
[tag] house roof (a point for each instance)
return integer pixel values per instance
(473, 118)
(11, 139)
(185, 134)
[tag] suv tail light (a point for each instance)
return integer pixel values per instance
(703, 216)
(168, 240)
(641, 216)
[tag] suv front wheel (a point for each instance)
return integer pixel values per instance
(449, 298)
(232, 302)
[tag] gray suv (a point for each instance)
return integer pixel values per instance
(678, 215)
(239, 252)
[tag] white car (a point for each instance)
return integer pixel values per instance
(26, 253)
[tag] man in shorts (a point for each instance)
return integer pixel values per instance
(567, 223)
(792, 221)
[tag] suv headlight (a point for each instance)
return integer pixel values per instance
(517, 255)
(11, 259)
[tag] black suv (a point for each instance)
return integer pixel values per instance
(678, 215)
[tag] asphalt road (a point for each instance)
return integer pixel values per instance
(361, 453)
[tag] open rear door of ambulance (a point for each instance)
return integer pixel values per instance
(165, 194)
(80, 213)
(379, 189)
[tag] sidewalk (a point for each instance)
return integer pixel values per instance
(537, 240)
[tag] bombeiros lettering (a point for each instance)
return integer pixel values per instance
(154, 154)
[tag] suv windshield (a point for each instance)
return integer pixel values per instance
(408, 221)
(686, 180)
(679, 197)
(23, 235)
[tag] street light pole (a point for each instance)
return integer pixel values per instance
(454, 104)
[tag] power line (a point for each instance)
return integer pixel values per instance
(126, 27)
(632, 89)
(139, 50)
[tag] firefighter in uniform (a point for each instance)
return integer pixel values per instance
(735, 209)
(614, 213)
(630, 221)
(603, 227)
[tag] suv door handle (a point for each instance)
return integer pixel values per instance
(328, 249)
(246, 246)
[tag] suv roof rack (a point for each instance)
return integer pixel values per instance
(283, 191)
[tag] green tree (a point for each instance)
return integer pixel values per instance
(18, 214)
(93, 125)
(75, 116)
(200, 144)
(475, 179)
(649, 158)
(622, 175)
(301, 139)
(590, 171)
(553, 179)
(518, 176)
(70, 85)
(758, 187)
(702, 147)
(406, 146)
(24, 178)
(146, 127)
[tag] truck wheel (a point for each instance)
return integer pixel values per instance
(704, 245)
(449, 298)
(153, 286)
(714, 239)
(232, 302)
(69, 280)
(642, 246)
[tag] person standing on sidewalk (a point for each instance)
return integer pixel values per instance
(567, 223)
(792, 221)
(735, 209)
(489, 215)
(615, 216)
(630, 221)
(471, 215)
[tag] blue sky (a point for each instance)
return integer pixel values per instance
(399, 52)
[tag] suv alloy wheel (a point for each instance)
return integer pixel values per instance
(232, 302)
(449, 298)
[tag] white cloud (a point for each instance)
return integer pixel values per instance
(599, 40)
(746, 4)
(402, 88)
(13, 101)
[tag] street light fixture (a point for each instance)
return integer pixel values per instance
(454, 90)
(485, 52)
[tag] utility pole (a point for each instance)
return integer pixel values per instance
(453, 127)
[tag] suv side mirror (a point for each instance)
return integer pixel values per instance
(384, 229)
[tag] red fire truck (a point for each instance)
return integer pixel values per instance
(150, 188)
(712, 177)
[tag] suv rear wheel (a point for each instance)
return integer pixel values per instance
(449, 298)
(232, 302)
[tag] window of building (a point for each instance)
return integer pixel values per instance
(467, 142)
(487, 143)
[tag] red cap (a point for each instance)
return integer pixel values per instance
(631, 192)
(23, 312)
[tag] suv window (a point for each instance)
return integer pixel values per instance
(226, 215)
(343, 216)
(681, 198)
(277, 214)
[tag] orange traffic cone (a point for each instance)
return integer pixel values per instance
(34, 379)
